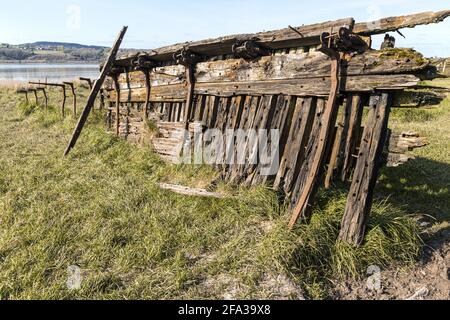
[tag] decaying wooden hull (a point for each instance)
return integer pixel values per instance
(310, 83)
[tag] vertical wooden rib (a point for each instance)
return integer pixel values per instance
(310, 151)
(359, 202)
(282, 122)
(294, 154)
(234, 173)
(353, 136)
(263, 116)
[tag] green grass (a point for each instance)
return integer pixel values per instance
(101, 209)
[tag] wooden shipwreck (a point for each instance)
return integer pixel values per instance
(312, 83)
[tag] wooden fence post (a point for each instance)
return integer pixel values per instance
(72, 88)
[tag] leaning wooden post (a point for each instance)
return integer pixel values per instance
(72, 88)
(370, 160)
(96, 88)
(302, 209)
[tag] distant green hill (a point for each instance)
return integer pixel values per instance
(66, 45)
(52, 52)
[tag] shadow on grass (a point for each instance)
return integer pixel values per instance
(421, 187)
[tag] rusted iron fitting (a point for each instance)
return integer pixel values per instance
(343, 41)
(186, 57)
(249, 50)
(143, 62)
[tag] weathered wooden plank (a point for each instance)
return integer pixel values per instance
(309, 153)
(294, 154)
(248, 105)
(296, 87)
(352, 137)
(263, 116)
(194, 192)
(285, 38)
(285, 67)
(370, 160)
(399, 146)
(337, 157)
(395, 23)
(309, 65)
(281, 120)
(313, 170)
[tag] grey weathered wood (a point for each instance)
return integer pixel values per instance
(295, 150)
(97, 86)
(297, 87)
(352, 137)
(370, 159)
(312, 172)
(194, 192)
(395, 23)
(284, 38)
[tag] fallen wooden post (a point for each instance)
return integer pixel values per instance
(190, 191)
(96, 88)
(72, 88)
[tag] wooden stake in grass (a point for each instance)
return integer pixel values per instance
(45, 96)
(97, 86)
(63, 89)
(72, 88)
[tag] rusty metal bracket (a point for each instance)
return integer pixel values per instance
(344, 41)
(249, 50)
(144, 63)
(188, 59)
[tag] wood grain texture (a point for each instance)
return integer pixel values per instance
(370, 160)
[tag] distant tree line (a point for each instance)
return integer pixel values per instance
(81, 54)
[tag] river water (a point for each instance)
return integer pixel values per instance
(49, 72)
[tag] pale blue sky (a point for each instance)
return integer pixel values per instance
(154, 23)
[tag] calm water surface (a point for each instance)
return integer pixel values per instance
(51, 72)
